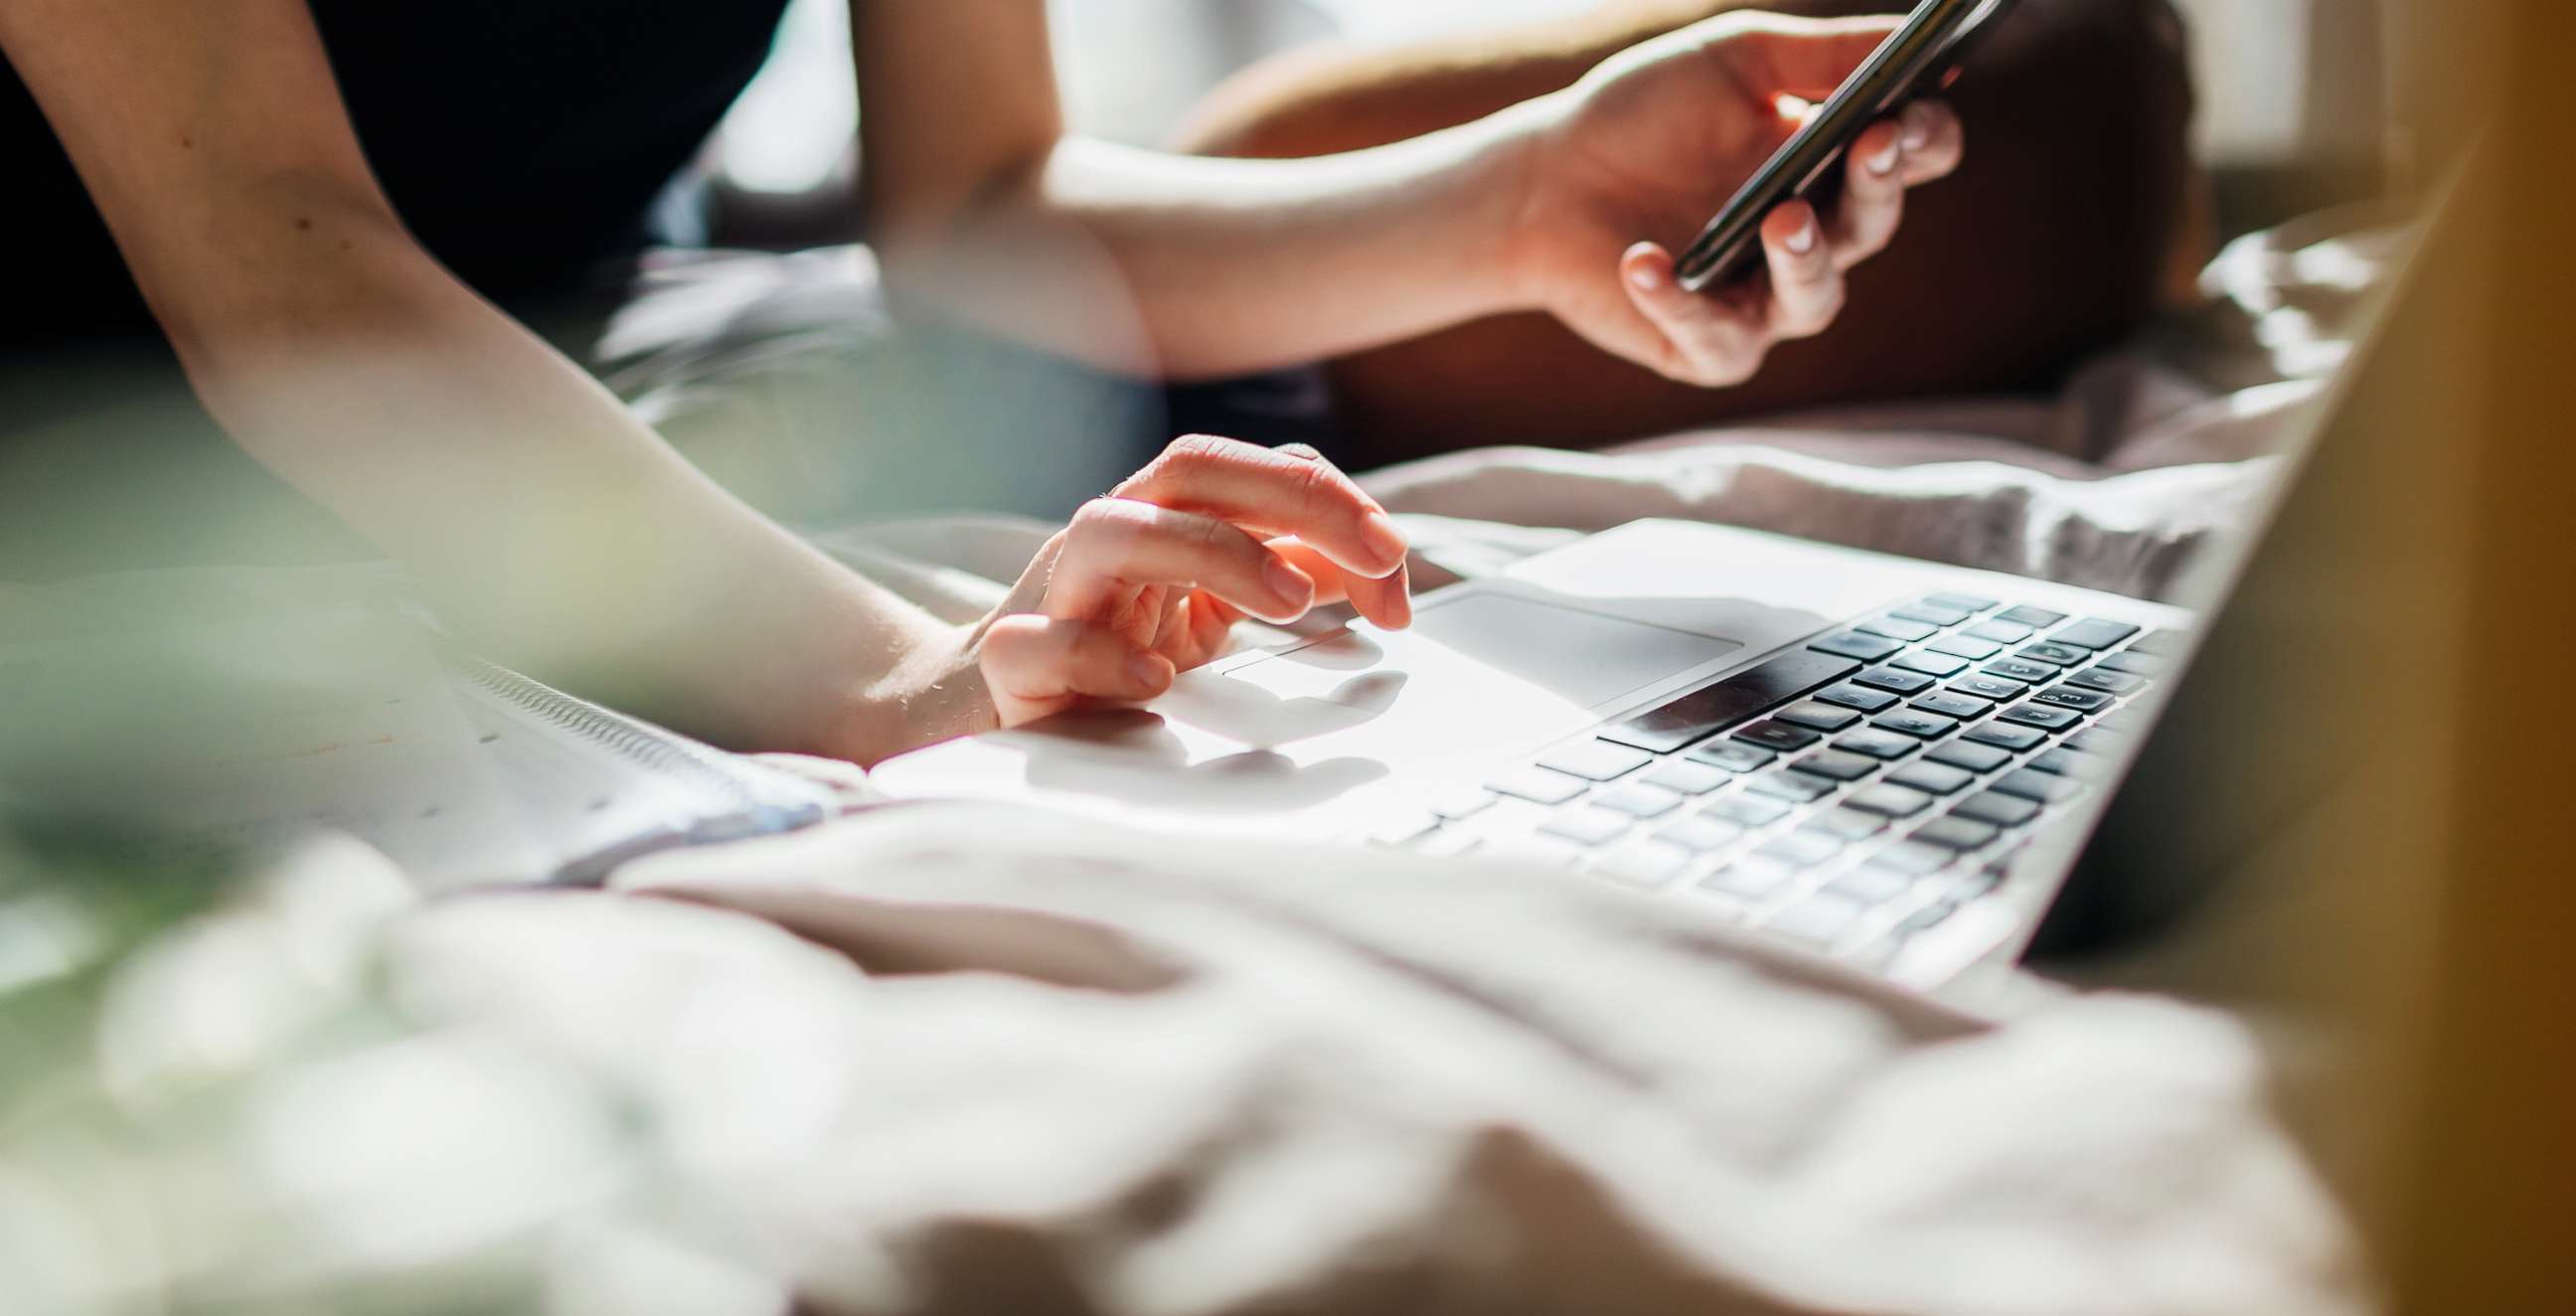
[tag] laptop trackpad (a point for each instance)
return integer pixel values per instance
(1485, 668)
(1581, 657)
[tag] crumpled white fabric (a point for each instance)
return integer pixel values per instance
(1069, 1070)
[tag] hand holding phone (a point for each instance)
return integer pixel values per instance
(1923, 55)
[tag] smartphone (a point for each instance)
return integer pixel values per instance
(1922, 56)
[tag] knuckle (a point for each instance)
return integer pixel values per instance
(1317, 484)
(1194, 450)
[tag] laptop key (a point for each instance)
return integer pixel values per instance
(1644, 863)
(1963, 646)
(1818, 921)
(1596, 760)
(2045, 719)
(1462, 804)
(1639, 801)
(1704, 712)
(1795, 787)
(1930, 614)
(2015, 738)
(1750, 879)
(1687, 778)
(1852, 696)
(2161, 644)
(2026, 673)
(1980, 756)
(1817, 717)
(2039, 786)
(1921, 726)
(1914, 859)
(1847, 825)
(1890, 801)
(2081, 701)
(2107, 679)
(1886, 746)
(1960, 834)
(1932, 778)
(1869, 887)
(1835, 765)
(1853, 644)
(1927, 918)
(1899, 628)
(2064, 762)
(1956, 707)
(1889, 678)
(2002, 632)
(2095, 633)
(1801, 849)
(1931, 664)
(2098, 742)
(2054, 655)
(2036, 618)
(1540, 786)
(1996, 809)
(1404, 831)
(1701, 834)
(1587, 825)
(1747, 810)
(1734, 756)
(2130, 662)
(1992, 689)
(1963, 602)
(1778, 737)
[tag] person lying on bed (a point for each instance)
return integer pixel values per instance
(322, 201)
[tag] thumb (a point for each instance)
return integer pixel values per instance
(1808, 58)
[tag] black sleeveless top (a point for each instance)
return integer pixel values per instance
(523, 141)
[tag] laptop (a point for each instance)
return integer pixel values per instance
(1891, 762)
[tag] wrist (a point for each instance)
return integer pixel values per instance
(1512, 172)
(935, 692)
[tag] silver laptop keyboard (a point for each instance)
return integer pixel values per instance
(1846, 795)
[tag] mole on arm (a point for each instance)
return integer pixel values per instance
(304, 223)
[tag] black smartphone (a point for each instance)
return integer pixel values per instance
(1922, 56)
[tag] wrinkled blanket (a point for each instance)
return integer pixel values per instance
(1020, 1065)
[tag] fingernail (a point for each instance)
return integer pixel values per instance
(1384, 541)
(1885, 161)
(1150, 672)
(1804, 240)
(1918, 127)
(1646, 277)
(1295, 591)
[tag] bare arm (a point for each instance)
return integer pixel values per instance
(981, 203)
(1136, 259)
(550, 524)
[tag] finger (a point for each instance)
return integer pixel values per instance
(1274, 493)
(1805, 57)
(1935, 142)
(1119, 544)
(1806, 286)
(1388, 602)
(1706, 340)
(1035, 665)
(1873, 202)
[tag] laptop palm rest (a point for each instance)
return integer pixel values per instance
(1481, 676)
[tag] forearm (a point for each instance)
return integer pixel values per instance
(549, 524)
(1191, 267)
